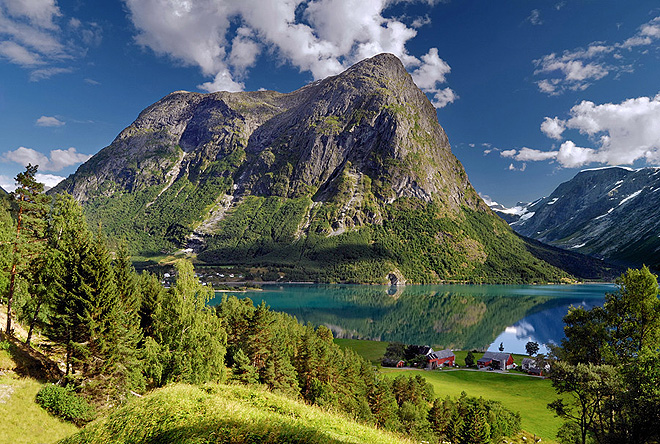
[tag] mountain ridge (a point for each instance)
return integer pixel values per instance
(316, 179)
(608, 213)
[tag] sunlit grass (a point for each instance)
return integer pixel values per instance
(372, 351)
(23, 420)
(225, 414)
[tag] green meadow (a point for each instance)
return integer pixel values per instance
(181, 413)
(517, 391)
(372, 351)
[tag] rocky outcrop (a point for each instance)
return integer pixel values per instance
(370, 120)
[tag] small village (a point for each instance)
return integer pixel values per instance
(424, 357)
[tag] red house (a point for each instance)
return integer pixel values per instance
(400, 364)
(439, 358)
(499, 361)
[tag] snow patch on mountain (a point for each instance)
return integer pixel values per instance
(632, 196)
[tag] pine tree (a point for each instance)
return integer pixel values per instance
(259, 336)
(469, 359)
(47, 270)
(243, 371)
(152, 296)
(128, 366)
(383, 404)
(67, 324)
(28, 206)
(279, 374)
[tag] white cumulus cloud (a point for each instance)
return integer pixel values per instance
(49, 180)
(553, 128)
(31, 37)
(322, 37)
(622, 133)
(58, 159)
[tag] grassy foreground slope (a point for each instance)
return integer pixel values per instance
(23, 420)
(224, 414)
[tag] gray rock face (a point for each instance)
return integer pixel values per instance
(372, 116)
(610, 213)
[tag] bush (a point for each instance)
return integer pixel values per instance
(65, 403)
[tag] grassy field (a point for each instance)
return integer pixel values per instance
(518, 392)
(225, 414)
(23, 421)
(372, 351)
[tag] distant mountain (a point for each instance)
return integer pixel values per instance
(350, 178)
(610, 213)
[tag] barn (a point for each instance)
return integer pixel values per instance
(496, 360)
(441, 358)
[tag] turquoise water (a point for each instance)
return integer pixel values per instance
(457, 316)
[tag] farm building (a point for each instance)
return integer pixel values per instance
(496, 360)
(440, 358)
(529, 365)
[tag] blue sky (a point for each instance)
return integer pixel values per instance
(529, 92)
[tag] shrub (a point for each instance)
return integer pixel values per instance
(65, 403)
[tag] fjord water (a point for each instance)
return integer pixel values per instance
(456, 316)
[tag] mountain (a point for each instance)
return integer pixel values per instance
(609, 213)
(350, 178)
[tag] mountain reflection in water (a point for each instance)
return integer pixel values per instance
(446, 316)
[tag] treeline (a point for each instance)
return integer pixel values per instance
(122, 334)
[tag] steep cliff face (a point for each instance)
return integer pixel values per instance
(242, 176)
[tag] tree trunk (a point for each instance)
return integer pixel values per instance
(10, 298)
(34, 321)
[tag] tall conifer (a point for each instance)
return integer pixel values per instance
(28, 207)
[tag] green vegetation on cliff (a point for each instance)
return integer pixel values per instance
(416, 240)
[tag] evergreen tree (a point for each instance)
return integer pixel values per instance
(532, 348)
(127, 369)
(469, 359)
(47, 270)
(383, 404)
(7, 235)
(280, 375)
(152, 295)
(67, 323)
(28, 207)
(259, 336)
(243, 371)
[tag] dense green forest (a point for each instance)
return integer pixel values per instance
(121, 334)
